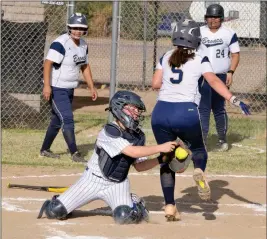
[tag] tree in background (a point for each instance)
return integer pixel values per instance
(99, 15)
(55, 16)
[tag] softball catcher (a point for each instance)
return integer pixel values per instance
(119, 145)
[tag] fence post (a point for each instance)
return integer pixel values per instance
(70, 11)
(156, 5)
(113, 68)
(144, 46)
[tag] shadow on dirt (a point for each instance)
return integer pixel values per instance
(82, 148)
(212, 140)
(191, 203)
(188, 203)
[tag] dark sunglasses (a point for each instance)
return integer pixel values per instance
(78, 28)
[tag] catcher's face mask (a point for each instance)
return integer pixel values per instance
(133, 112)
(128, 107)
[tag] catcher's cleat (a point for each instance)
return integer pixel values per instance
(202, 184)
(53, 209)
(171, 213)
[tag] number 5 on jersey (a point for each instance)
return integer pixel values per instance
(177, 76)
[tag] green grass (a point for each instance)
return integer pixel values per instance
(246, 155)
(22, 146)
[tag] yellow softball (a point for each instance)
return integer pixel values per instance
(181, 153)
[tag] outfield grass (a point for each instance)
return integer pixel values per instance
(246, 155)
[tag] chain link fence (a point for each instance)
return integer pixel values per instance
(144, 35)
(27, 30)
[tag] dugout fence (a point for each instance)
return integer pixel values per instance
(144, 29)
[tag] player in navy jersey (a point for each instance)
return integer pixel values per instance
(178, 76)
(221, 46)
(68, 54)
(119, 145)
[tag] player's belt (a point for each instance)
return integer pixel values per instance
(96, 175)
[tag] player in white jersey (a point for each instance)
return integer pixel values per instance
(68, 54)
(178, 77)
(220, 45)
(118, 146)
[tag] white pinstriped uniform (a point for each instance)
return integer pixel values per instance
(93, 186)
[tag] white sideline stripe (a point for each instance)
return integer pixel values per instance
(261, 151)
(10, 207)
(89, 237)
(63, 235)
(139, 174)
(63, 223)
(13, 208)
(256, 207)
(44, 176)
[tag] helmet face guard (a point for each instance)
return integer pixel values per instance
(117, 106)
(186, 34)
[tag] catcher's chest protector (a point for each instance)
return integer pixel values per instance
(116, 169)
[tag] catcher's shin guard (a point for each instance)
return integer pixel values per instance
(171, 213)
(140, 207)
(54, 209)
(202, 184)
(124, 214)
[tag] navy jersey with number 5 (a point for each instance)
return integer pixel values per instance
(182, 84)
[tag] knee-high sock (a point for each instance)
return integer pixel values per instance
(51, 134)
(167, 179)
(69, 137)
(200, 159)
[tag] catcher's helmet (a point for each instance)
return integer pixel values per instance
(121, 99)
(215, 10)
(186, 34)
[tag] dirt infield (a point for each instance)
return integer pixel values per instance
(238, 209)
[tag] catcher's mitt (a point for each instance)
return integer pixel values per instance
(178, 165)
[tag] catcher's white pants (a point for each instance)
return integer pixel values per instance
(92, 187)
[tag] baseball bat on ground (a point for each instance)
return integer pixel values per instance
(54, 189)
